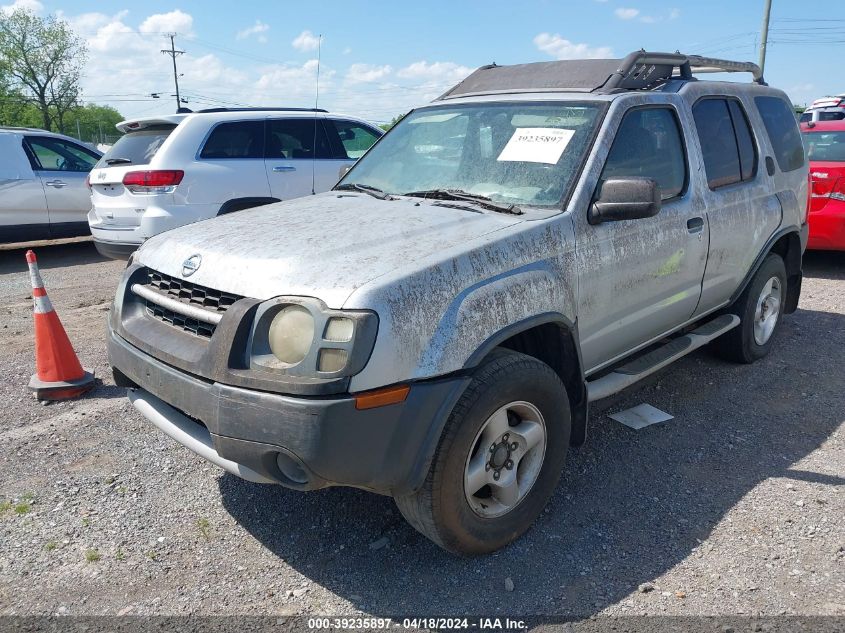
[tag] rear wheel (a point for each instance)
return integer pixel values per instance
(499, 459)
(760, 308)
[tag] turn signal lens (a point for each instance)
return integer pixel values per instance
(381, 397)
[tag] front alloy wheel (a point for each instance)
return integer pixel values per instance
(506, 459)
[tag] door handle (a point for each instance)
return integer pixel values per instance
(695, 225)
(58, 184)
(282, 168)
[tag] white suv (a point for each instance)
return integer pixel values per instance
(176, 169)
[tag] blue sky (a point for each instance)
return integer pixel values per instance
(381, 58)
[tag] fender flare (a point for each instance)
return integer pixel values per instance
(241, 204)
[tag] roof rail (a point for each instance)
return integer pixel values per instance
(641, 69)
(207, 110)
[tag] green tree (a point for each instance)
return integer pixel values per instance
(393, 121)
(93, 123)
(42, 59)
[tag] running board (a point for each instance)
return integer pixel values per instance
(645, 365)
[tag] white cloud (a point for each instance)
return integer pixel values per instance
(173, 22)
(674, 14)
(560, 48)
(30, 5)
(443, 71)
(306, 41)
(626, 14)
(259, 29)
(363, 73)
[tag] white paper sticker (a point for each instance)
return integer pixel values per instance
(537, 145)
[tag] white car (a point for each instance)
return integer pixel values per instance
(42, 185)
(176, 169)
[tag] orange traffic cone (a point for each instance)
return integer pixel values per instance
(58, 374)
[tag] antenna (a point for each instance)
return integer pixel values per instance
(316, 114)
(174, 53)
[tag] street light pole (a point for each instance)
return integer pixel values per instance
(764, 34)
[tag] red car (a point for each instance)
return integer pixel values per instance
(825, 143)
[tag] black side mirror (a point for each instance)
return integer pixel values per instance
(625, 199)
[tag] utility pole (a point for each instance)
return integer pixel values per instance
(764, 34)
(173, 53)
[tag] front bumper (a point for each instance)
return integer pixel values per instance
(302, 443)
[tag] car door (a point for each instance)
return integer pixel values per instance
(743, 211)
(350, 140)
(638, 279)
(23, 207)
(63, 167)
(298, 157)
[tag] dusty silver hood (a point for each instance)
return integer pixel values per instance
(325, 246)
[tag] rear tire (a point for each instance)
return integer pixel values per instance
(499, 460)
(760, 308)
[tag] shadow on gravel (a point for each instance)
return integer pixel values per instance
(631, 504)
(824, 264)
(50, 256)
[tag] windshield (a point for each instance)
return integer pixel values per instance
(825, 146)
(137, 148)
(514, 153)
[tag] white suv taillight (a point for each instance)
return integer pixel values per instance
(153, 181)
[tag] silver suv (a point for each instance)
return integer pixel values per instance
(434, 328)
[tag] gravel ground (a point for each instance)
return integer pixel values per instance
(735, 507)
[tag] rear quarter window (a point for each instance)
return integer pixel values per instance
(782, 129)
(138, 148)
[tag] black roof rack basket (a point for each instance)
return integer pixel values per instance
(641, 70)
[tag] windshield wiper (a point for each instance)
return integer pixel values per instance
(375, 192)
(458, 194)
(118, 161)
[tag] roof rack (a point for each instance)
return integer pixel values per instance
(641, 70)
(207, 110)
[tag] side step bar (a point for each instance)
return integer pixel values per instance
(645, 365)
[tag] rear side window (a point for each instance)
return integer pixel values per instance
(831, 116)
(783, 132)
(354, 139)
(727, 144)
(295, 138)
(649, 145)
(825, 146)
(52, 154)
(137, 148)
(238, 139)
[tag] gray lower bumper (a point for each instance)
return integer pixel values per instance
(329, 441)
(115, 250)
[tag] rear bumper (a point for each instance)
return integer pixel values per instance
(115, 250)
(299, 442)
(827, 227)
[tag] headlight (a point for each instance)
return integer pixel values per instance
(291, 334)
(300, 336)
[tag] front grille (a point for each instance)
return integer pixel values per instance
(186, 292)
(190, 294)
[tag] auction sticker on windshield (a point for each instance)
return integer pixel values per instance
(537, 145)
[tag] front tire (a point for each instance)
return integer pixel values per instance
(760, 308)
(499, 459)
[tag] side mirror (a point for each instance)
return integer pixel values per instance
(625, 199)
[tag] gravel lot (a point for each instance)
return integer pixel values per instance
(735, 507)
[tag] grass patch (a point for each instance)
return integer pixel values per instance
(92, 555)
(152, 554)
(205, 528)
(50, 546)
(29, 497)
(22, 508)
(86, 521)
(5, 505)
(120, 555)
